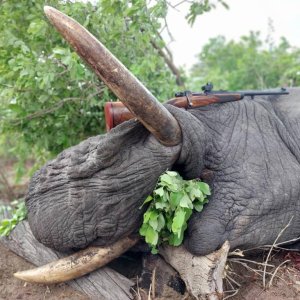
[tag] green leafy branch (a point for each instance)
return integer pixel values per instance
(18, 213)
(170, 207)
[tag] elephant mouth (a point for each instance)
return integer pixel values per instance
(77, 264)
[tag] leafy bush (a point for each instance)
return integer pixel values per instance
(18, 212)
(170, 207)
(249, 63)
(49, 100)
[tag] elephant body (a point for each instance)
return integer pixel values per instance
(248, 151)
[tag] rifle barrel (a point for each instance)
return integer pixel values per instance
(283, 91)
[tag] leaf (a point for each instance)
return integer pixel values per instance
(159, 191)
(18, 214)
(172, 173)
(151, 236)
(5, 222)
(175, 198)
(204, 187)
(178, 220)
(188, 213)
(154, 251)
(160, 222)
(160, 205)
(147, 215)
(6, 231)
(153, 223)
(198, 206)
(167, 179)
(169, 224)
(175, 239)
(185, 201)
(166, 218)
(143, 229)
(148, 199)
(194, 191)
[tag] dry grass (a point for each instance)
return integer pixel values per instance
(263, 269)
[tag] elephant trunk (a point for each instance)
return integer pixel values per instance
(77, 264)
(117, 77)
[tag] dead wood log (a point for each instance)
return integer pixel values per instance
(202, 274)
(103, 283)
(159, 279)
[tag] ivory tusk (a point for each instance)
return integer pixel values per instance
(77, 264)
(135, 96)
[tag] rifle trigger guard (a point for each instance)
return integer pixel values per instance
(188, 95)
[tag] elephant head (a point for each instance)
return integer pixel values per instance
(92, 192)
(247, 150)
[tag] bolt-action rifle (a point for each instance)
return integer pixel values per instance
(116, 113)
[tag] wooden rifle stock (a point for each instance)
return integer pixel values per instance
(116, 112)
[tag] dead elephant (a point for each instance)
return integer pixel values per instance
(91, 193)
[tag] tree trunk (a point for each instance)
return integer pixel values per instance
(203, 275)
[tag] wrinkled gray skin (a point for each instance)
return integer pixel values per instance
(248, 151)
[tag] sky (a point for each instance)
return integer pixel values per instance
(242, 17)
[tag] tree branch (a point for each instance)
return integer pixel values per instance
(170, 64)
(44, 112)
(9, 190)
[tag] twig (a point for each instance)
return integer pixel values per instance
(169, 32)
(236, 252)
(235, 274)
(172, 6)
(181, 2)
(256, 271)
(229, 282)
(249, 261)
(153, 283)
(169, 63)
(276, 270)
(289, 241)
(44, 112)
(271, 249)
(234, 293)
(265, 247)
(149, 292)
(232, 280)
(9, 190)
(137, 291)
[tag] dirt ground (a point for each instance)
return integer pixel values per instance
(12, 288)
(285, 286)
(282, 280)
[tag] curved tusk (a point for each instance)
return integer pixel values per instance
(77, 264)
(154, 116)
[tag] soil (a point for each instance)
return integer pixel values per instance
(12, 288)
(285, 286)
(282, 279)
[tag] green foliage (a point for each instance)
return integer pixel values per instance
(18, 213)
(170, 206)
(49, 100)
(200, 7)
(247, 64)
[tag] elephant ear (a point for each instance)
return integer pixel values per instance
(287, 109)
(152, 114)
